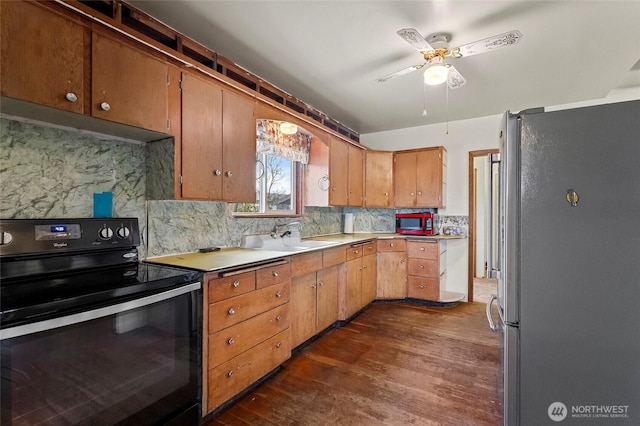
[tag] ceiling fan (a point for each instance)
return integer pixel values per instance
(435, 48)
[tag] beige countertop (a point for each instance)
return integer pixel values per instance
(234, 257)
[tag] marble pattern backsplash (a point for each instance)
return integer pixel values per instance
(48, 172)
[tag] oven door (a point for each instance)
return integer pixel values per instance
(135, 362)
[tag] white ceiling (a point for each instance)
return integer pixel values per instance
(329, 53)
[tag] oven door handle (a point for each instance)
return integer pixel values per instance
(26, 329)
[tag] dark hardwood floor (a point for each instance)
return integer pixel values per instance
(394, 364)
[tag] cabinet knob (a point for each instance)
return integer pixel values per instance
(232, 311)
(229, 174)
(421, 286)
(364, 266)
(278, 345)
(105, 106)
(421, 248)
(386, 194)
(402, 262)
(320, 283)
(231, 341)
(419, 192)
(71, 97)
(236, 283)
(230, 373)
(356, 252)
(313, 286)
(413, 193)
(391, 245)
(279, 318)
(217, 172)
(278, 294)
(333, 189)
(421, 266)
(276, 273)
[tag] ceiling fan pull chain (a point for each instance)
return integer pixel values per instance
(424, 92)
(447, 130)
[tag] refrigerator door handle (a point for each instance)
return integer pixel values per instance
(492, 325)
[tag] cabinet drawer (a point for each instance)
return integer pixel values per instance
(232, 341)
(234, 285)
(354, 252)
(302, 264)
(423, 267)
(392, 245)
(233, 376)
(424, 288)
(273, 275)
(229, 312)
(369, 248)
(423, 249)
(333, 256)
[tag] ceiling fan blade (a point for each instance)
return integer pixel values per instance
(454, 78)
(399, 73)
(489, 43)
(415, 39)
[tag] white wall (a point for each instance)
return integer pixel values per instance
(463, 136)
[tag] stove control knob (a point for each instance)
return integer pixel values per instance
(105, 233)
(5, 238)
(123, 232)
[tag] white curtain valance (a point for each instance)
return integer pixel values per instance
(270, 140)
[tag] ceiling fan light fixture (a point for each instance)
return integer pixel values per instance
(436, 73)
(288, 128)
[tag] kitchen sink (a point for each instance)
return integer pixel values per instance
(288, 244)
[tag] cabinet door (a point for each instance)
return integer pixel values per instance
(404, 169)
(356, 176)
(429, 178)
(368, 279)
(201, 139)
(239, 148)
(127, 85)
(378, 179)
(338, 172)
(354, 286)
(42, 57)
(392, 275)
(303, 308)
(327, 297)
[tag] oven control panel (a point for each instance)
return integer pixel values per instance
(30, 236)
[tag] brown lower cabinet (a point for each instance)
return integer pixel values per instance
(359, 288)
(426, 269)
(246, 328)
(392, 269)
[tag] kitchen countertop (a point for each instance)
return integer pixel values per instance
(234, 257)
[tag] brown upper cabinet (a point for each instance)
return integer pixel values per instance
(218, 142)
(378, 179)
(346, 174)
(42, 56)
(420, 177)
(128, 86)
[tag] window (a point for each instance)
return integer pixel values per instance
(276, 179)
(281, 147)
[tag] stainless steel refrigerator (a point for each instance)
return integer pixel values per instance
(567, 257)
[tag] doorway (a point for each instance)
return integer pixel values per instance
(480, 286)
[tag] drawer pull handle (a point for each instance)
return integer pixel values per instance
(278, 345)
(230, 373)
(278, 294)
(421, 248)
(421, 286)
(391, 245)
(232, 311)
(231, 341)
(105, 106)
(217, 172)
(279, 318)
(276, 273)
(71, 97)
(421, 266)
(229, 174)
(236, 283)
(355, 251)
